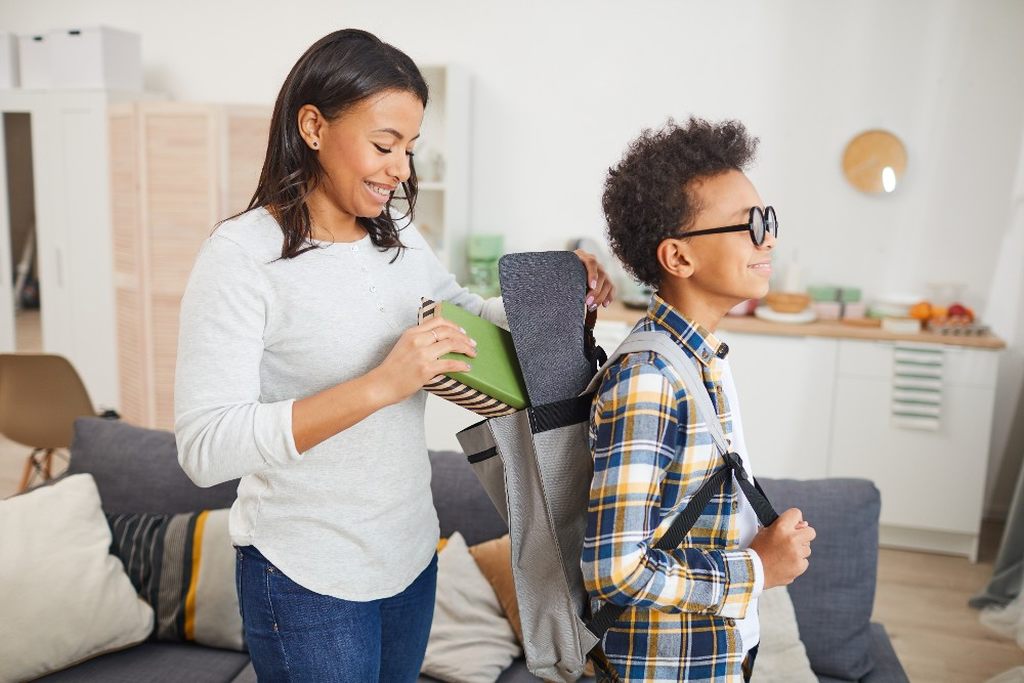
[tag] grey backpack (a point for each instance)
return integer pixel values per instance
(536, 467)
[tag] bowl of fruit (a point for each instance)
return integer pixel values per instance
(955, 319)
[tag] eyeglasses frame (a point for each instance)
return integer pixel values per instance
(749, 226)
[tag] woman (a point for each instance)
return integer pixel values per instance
(300, 366)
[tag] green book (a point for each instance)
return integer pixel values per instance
(495, 372)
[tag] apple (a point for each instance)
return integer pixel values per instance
(959, 311)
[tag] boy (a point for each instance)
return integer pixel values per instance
(683, 218)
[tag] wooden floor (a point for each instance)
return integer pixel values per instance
(921, 598)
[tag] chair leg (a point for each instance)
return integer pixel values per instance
(32, 466)
(48, 465)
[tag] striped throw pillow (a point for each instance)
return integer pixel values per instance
(184, 567)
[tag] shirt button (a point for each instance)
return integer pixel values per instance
(355, 248)
(372, 288)
(381, 309)
(730, 621)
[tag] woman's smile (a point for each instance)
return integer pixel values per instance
(381, 193)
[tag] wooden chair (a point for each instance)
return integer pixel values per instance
(40, 397)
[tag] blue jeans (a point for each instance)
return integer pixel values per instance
(294, 634)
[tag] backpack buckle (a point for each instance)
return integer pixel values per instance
(733, 462)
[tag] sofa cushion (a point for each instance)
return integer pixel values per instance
(470, 641)
(834, 598)
(184, 566)
(494, 558)
(63, 597)
(461, 502)
(137, 470)
(158, 663)
(781, 654)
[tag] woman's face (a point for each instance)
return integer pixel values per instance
(366, 151)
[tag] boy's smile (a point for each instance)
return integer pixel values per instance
(706, 275)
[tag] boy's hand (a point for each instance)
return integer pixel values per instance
(784, 548)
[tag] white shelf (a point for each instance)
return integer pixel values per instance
(442, 209)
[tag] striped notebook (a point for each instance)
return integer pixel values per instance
(495, 384)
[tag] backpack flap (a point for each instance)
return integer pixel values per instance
(544, 295)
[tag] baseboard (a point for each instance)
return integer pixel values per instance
(928, 540)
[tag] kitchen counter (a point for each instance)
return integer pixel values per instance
(822, 328)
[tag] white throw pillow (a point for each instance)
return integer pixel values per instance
(781, 656)
(471, 641)
(64, 597)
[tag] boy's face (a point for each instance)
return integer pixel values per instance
(727, 266)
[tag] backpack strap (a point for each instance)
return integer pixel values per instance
(668, 349)
(684, 365)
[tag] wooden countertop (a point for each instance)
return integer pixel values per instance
(822, 328)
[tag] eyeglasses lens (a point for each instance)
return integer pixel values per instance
(757, 225)
(771, 222)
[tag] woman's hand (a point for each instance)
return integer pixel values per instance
(601, 290)
(416, 360)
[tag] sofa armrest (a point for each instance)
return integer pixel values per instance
(887, 667)
(833, 600)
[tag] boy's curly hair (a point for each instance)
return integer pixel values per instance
(646, 197)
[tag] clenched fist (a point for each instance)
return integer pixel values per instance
(784, 548)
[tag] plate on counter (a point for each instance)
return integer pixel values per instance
(805, 316)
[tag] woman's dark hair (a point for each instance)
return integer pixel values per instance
(336, 72)
(647, 196)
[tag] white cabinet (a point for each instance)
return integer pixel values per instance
(932, 480)
(785, 385)
(818, 407)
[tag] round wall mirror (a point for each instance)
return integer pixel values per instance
(874, 162)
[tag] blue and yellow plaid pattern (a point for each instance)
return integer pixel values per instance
(652, 453)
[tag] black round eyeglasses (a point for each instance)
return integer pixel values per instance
(760, 224)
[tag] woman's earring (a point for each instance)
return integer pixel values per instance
(315, 144)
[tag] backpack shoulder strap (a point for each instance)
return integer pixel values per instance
(662, 345)
(670, 351)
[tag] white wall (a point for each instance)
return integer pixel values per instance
(560, 87)
(1006, 314)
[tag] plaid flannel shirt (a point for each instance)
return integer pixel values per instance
(652, 453)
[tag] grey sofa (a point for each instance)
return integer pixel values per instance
(136, 470)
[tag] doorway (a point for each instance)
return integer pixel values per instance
(24, 266)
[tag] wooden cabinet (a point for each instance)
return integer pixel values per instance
(176, 169)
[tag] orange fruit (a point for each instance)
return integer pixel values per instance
(921, 311)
